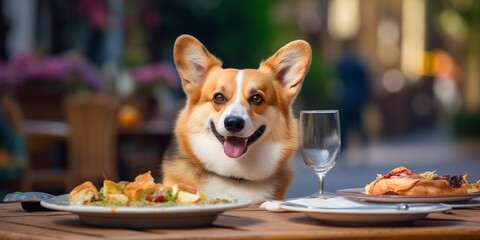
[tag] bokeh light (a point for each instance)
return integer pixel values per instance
(393, 80)
(447, 94)
(388, 35)
(413, 38)
(343, 18)
(453, 24)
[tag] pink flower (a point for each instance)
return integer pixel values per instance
(18, 69)
(60, 68)
(155, 73)
(95, 11)
(51, 69)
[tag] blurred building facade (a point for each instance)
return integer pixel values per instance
(421, 55)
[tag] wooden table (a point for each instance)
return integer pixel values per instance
(245, 223)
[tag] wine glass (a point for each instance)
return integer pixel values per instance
(320, 142)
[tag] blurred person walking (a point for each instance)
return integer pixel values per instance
(352, 72)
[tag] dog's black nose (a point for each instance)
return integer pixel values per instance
(234, 124)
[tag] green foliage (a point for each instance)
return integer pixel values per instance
(466, 124)
(469, 12)
(315, 93)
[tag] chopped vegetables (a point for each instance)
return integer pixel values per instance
(156, 197)
(429, 175)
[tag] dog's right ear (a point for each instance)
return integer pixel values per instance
(193, 61)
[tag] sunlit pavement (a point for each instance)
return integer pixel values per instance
(430, 150)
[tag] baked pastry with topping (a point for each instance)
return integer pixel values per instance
(403, 181)
(83, 193)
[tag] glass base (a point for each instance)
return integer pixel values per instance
(324, 195)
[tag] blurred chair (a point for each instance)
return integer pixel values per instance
(42, 172)
(13, 156)
(92, 139)
(20, 173)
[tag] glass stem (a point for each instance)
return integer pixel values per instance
(321, 178)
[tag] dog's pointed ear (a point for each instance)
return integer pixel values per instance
(193, 61)
(290, 64)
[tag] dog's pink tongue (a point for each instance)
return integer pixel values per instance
(234, 146)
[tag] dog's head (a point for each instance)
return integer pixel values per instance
(236, 121)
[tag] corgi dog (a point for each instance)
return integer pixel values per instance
(236, 134)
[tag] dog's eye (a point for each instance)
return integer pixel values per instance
(219, 98)
(256, 99)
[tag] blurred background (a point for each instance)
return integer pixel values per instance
(89, 90)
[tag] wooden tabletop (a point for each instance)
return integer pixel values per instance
(245, 223)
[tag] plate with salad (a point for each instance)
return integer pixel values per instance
(143, 204)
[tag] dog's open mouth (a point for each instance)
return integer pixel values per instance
(235, 147)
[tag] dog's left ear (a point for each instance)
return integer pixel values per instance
(290, 64)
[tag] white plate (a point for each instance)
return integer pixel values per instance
(145, 217)
(369, 217)
(472, 203)
(359, 193)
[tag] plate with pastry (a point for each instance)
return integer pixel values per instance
(403, 185)
(143, 204)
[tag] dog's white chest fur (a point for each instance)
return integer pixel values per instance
(256, 191)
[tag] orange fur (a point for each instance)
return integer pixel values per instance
(262, 170)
